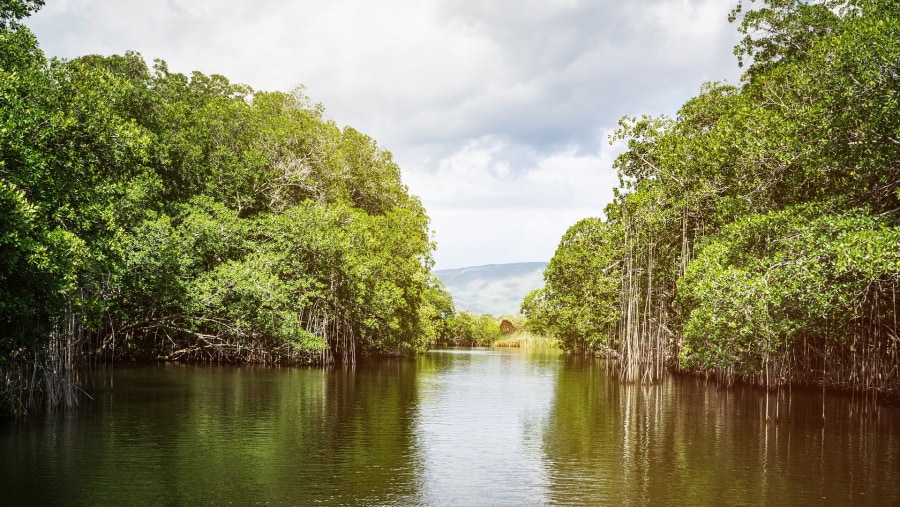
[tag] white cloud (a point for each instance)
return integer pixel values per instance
(478, 204)
(510, 235)
(479, 176)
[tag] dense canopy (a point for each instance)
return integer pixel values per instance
(756, 236)
(146, 214)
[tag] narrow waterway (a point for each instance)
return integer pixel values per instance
(451, 427)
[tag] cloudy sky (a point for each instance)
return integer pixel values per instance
(497, 111)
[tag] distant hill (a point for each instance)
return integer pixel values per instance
(496, 289)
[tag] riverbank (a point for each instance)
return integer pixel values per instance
(526, 340)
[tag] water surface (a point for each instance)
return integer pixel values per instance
(452, 427)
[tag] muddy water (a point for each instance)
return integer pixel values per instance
(452, 427)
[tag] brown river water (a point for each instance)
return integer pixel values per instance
(452, 427)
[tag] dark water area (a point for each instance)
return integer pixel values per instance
(451, 427)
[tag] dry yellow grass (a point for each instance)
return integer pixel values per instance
(524, 339)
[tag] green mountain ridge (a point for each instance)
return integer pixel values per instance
(495, 289)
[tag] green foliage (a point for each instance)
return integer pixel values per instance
(67, 160)
(174, 216)
(468, 330)
(755, 234)
(273, 225)
(782, 31)
(577, 304)
(767, 282)
(12, 11)
(435, 314)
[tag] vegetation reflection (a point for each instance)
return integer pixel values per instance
(684, 441)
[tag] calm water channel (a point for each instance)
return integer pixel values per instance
(453, 427)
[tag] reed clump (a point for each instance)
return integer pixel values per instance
(527, 340)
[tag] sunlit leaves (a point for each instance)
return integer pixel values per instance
(767, 281)
(579, 303)
(765, 215)
(12, 11)
(187, 207)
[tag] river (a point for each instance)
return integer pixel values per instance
(451, 427)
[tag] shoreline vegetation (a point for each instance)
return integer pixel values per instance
(152, 215)
(465, 329)
(526, 340)
(755, 237)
